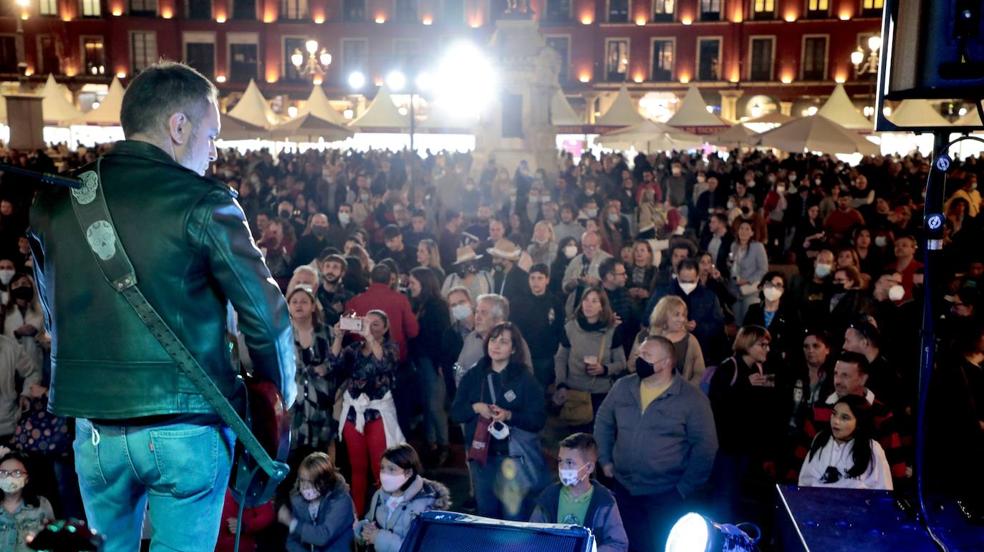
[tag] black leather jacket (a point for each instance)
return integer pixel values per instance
(192, 252)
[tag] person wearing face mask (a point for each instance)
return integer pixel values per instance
(814, 294)
(566, 250)
(656, 438)
(24, 320)
(320, 511)
(24, 513)
(7, 272)
(319, 235)
(775, 314)
(403, 495)
(706, 316)
(579, 499)
(614, 229)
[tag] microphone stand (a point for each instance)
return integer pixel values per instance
(935, 224)
(43, 178)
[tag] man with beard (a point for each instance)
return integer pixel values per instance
(332, 293)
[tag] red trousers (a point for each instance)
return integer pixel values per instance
(365, 452)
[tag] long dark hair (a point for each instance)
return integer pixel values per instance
(430, 288)
(864, 431)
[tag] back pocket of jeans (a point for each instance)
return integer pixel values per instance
(186, 458)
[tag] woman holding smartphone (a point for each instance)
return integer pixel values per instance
(368, 416)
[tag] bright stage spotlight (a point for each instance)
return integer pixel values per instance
(396, 80)
(356, 80)
(695, 533)
(465, 82)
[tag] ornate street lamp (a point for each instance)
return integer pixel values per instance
(315, 65)
(866, 63)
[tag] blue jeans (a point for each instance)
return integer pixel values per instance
(181, 470)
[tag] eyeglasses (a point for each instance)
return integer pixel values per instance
(14, 473)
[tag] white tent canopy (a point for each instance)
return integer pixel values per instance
(253, 108)
(55, 107)
(622, 112)
(693, 113)
(561, 112)
(319, 106)
(817, 133)
(917, 113)
(309, 128)
(736, 137)
(108, 112)
(649, 136)
(382, 114)
(840, 109)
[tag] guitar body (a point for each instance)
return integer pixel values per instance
(271, 424)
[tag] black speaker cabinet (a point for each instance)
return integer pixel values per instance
(451, 532)
(933, 49)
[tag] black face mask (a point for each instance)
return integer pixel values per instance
(23, 293)
(643, 368)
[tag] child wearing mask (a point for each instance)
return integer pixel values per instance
(579, 499)
(24, 513)
(404, 495)
(321, 513)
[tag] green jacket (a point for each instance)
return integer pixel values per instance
(192, 252)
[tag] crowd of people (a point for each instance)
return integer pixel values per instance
(608, 345)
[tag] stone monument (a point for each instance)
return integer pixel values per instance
(517, 126)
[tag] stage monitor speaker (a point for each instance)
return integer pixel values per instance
(933, 49)
(813, 519)
(452, 532)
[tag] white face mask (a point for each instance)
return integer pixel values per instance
(12, 484)
(461, 311)
(570, 477)
(613, 218)
(310, 494)
(896, 292)
(675, 171)
(688, 287)
(880, 241)
(591, 212)
(772, 293)
(823, 270)
(570, 251)
(6, 276)
(344, 218)
(390, 482)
